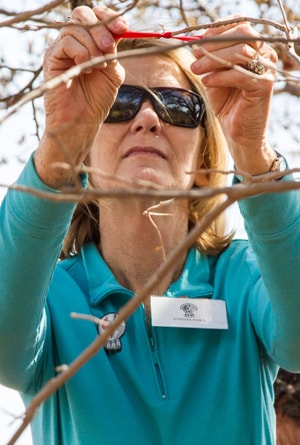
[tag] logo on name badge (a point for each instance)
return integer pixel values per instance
(113, 343)
(189, 309)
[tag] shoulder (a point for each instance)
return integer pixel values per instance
(238, 260)
(69, 276)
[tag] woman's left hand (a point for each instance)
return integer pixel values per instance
(240, 99)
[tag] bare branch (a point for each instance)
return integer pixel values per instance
(233, 193)
(254, 186)
(291, 33)
(77, 70)
(23, 16)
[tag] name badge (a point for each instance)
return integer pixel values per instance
(188, 313)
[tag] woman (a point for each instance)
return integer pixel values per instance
(144, 120)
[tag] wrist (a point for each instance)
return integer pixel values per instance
(55, 166)
(274, 172)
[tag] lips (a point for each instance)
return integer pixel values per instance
(140, 150)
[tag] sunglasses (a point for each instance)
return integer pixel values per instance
(175, 106)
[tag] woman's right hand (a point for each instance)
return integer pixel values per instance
(74, 110)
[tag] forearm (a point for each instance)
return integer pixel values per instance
(60, 155)
(32, 232)
(272, 223)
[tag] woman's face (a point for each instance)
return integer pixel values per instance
(146, 148)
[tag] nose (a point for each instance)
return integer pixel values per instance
(146, 120)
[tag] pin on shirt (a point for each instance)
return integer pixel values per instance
(113, 343)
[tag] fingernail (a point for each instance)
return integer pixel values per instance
(107, 42)
(119, 26)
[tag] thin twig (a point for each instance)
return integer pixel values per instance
(125, 312)
(150, 213)
(291, 33)
(255, 185)
(23, 16)
(77, 70)
(219, 23)
(234, 193)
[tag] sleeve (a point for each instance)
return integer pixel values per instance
(31, 237)
(272, 222)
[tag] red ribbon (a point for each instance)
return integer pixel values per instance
(155, 35)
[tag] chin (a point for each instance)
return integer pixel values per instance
(149, 175)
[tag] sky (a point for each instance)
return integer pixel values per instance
(284, 137)
(14, 50)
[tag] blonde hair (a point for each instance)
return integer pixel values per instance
(85, 222)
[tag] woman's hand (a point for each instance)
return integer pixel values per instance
(75, 110)
(240, 99)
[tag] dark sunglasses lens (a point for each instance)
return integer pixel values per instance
(179, 107)
(127, 104)
(174, 106)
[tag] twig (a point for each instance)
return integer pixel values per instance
(255, 186)
(150, 213)
(218, 24)
(23, 16)
(234, 193)
(77, 70)
(291, 33)
(125, 312)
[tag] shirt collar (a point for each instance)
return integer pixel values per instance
(193, 282)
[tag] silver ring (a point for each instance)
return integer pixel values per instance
(66, 19)
(256, 67)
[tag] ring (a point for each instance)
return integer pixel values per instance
(256, 67)
(66, 19)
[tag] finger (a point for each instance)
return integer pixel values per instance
(229, 37)
(240, 79)
(70, 51)
(101, 24)
(77, 44)
(223, 24)
(237, 56)
(269, 53)
(83, 14)
(112, 23)
(85, 36)
(75, 39)
(223, 58)
(92, 27)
